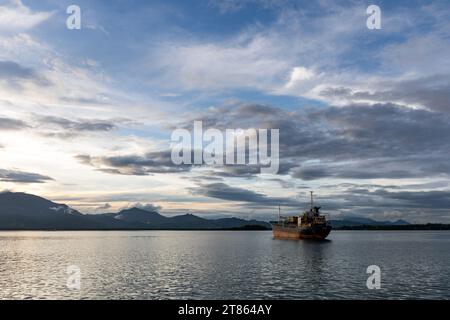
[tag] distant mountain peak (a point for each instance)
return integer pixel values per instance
(22, 211)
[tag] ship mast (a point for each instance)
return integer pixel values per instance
(311, 200)
(278, 213)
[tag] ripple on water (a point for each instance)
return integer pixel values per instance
(223, 265)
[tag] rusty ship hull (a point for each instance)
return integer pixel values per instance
(296, 233)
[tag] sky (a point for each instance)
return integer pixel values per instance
(86, 115)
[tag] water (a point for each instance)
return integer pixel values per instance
(223, 265)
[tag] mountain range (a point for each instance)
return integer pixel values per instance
(22, 211)
(354, 221)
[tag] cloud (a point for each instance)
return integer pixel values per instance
(245, 171)
(22, 176)
(240, 171)
(87, 100)
(299, 74)
(351, 171)
(268, 58)
(412, 204)
(302, 48)
(418, 199)
(103, 207)
(139, 165)
(358, 141)
(422, 53)
(15, 74)
(78, 125)
(225, 192)
(215, 66)
(51, 126)
(384, 202)
(306, 50)
(16, 17)
(12, 124)
(428, 92)
(145, 206)
(387, 90)
(63, 128)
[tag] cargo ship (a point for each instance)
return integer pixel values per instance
(310, 225)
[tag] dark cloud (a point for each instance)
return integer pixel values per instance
(225, 192)
(63, 128)
(235, 171)
(358, 141)
(248, 170)
(381, 141)
(58, 127)
(336, 92)
(22, 177)
(151, 162)
(235, 116)
(85, 101)
(361, 170)
(77, 125)
(430, 92)
(161, 162)
(380, 130)
(417, 199)
(12, 124)
(15, 74)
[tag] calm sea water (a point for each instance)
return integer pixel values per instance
(223, 265)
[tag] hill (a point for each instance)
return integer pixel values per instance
(22, 211)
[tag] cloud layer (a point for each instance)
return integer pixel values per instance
(364, 119)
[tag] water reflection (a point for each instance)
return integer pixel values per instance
(222, 265)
